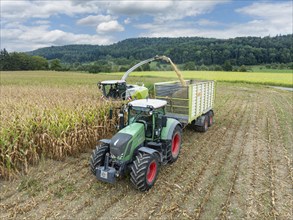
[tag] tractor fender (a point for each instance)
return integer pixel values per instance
(167, 131)
(152, 152)
(105, 141)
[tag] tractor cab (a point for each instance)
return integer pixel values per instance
(149, 112)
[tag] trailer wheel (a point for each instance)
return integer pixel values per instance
(205, 125)
(98, 157)
(211, 118)
(175, 146)
(144, 171)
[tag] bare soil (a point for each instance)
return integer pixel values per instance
(240, 168)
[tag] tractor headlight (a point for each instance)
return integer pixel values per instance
(120, 157)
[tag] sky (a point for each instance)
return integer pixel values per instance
(30, 24)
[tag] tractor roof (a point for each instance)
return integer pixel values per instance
(112, 81)
(144, 103)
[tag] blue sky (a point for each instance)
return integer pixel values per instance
(30, 24)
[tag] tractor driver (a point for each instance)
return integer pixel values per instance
(112, 92)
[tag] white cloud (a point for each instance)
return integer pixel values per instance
(182, 9)
(268, 10)
(42, 22)
(270, 18)
(21, 10)
(18, 36)
(110, 26)
(166, 18)
(266, 19)
(138, 7)
(162, 10)
(24, 38)
(206, 22)
(93, 20)
(127, 21)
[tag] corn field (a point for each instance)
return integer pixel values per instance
(48, 122)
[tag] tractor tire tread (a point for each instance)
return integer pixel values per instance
(97, 157)
(138, 171)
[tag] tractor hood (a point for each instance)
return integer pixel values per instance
(126, 140)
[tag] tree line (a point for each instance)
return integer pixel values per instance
(191, 53)
(21, 61)
(202, 51)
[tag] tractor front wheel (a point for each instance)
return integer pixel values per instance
(98, 157)
(175, 146)
(144, 171)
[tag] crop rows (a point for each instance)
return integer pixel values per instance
(35, 125)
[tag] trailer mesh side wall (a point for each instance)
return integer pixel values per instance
(176, 97)
(187, 102)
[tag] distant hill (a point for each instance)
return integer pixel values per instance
(207, 51)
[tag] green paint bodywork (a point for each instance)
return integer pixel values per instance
(142, 93)
(166, 131)
(138, 133)
(136, 130)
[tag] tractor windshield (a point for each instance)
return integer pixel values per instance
(136, 113)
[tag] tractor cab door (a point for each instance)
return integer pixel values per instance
(149, 129)
(158, 115)
(141, 116)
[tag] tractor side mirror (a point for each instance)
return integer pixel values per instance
(111, 113)
(164, 121)
(99, 85)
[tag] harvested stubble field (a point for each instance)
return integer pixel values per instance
(240, 168)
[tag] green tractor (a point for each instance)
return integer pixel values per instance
(149, 140)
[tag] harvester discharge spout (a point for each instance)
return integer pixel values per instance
(165, 58)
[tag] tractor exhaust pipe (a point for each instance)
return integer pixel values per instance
(121, 119)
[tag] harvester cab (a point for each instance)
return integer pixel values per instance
(113, 89)
(118, 89)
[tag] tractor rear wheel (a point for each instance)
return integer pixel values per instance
(98, 157)
(144, 171)
(175, 146)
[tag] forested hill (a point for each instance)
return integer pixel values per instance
(207, 51)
